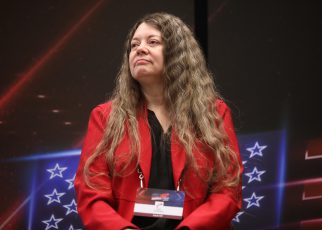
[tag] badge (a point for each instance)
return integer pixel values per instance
(159, 203)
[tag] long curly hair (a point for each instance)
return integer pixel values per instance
(190, 96)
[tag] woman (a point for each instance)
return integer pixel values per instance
(164, 128)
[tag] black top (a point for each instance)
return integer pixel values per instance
(160, 173)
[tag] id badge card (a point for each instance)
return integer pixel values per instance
(160, 203)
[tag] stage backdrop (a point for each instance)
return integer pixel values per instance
(59, 59)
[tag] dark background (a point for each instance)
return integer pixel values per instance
(59, 59)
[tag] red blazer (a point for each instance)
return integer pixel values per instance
(112, 207)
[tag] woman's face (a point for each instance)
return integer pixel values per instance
(146, 56)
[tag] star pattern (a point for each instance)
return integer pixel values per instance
(256, 150)
(255, 175)
(253, 200)
(72, 207)
(60, 204)
(54, 197)
(71, 227)
(71, 182)
(52, 222)
(236, 218)
(56, 171)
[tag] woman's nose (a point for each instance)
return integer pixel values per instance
(142, 49)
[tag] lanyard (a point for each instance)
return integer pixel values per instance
(141, 177)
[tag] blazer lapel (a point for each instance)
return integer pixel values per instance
(146, 147)
(178, 158)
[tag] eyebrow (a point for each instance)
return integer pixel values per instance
(150, 36)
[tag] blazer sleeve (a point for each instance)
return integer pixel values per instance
(95, 206)
(220, 207)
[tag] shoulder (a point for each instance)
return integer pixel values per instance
(104, 107)
(102, 110)
(221, 107)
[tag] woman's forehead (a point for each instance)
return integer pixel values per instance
(146, 30)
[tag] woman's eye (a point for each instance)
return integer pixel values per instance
(154, 42)
(133, 45)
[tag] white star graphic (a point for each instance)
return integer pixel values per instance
(71, 182)
(236, 218)
(71, 207)
(256, 150)
(255, 175)
(52, 222)
(71, 227)
(56, 171)
(253, 200)
(54, 197)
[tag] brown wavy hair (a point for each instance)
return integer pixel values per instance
(189, 93)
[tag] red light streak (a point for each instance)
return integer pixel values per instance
(14, 211)
(29, 74)
(303, 182)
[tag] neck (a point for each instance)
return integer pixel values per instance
(154, 96)
(156, 102)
